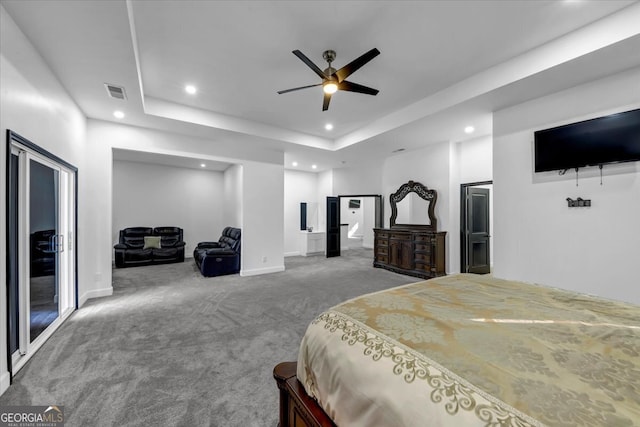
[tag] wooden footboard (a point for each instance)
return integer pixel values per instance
(297, 409)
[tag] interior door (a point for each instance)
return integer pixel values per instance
(333, 226)
(476, 231)
(41, 261)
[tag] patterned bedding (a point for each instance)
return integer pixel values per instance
(471, 350)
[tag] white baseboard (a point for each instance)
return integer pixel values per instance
(296, 253)
(95, 293)
(5, 382)
(258, 271)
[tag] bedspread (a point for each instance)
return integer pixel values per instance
(471, 350)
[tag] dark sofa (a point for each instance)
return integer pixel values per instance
(163, 245)
(221, 257)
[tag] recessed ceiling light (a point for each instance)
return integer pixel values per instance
(469, 129)
(190, 89)
(294, 164)
(202, 165)
(118, 114)
(314, 166)
(328, 126)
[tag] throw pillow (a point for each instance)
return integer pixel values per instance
(151, 242)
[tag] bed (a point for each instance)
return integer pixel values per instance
(467, 350)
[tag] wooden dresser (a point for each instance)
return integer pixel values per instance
(412, 245)
(415, 252)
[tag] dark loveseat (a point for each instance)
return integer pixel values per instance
(146, 245)
(221, 257)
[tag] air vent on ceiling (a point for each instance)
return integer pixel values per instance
(115, 91)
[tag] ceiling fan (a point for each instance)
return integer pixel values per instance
(334, 80)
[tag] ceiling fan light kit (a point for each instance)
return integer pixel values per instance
(329, 87)
(334, 80)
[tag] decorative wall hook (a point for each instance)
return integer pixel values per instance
(578, 203)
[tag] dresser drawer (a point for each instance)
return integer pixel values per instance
(423, 266)
(382, 250)
(382, 242)
(422, 258)
(422, 238)
(423, 247)
(382, 235)
(382, 258)
(400, 236)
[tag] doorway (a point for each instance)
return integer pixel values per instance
(350, 221)
(41, 273)
(476, 227)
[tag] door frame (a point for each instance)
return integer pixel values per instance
(463, 215)
(12, 228)
(378, 212)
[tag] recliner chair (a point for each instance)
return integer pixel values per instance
(221, 257)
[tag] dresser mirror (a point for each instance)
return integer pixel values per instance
(412, 206)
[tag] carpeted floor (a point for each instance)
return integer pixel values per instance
(172, 348)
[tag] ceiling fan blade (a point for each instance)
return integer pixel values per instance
(297, 88)
(325, 101)
(310, 64)
(354, 65)
(355, 87)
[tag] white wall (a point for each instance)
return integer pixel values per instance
(325, 188)
(35, 105)
(537, 237)
(156, 195)
(232, 206)
(368, 221)
(299, 187)
(475, 160)
(363, 178)
(263, 218)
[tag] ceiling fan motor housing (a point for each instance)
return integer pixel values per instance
(329, 56)
(329, 73)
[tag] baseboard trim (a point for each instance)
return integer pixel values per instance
(258, 271)
(95, 293)
(295, 253)
(5, 382)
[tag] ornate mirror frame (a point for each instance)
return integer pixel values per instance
(431, 196)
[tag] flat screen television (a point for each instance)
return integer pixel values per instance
(608, 139)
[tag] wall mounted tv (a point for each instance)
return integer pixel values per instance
(608, 139)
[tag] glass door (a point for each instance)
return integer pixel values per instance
(42, 260)
(45, 246)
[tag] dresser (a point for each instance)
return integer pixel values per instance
(411, 245)
(414, 252)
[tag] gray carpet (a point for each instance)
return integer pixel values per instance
(172, 348)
